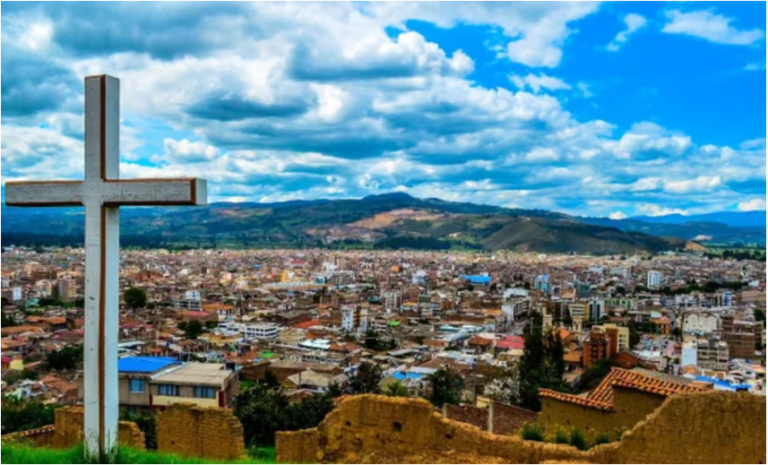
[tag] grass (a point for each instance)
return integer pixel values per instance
(12, 453)
(532, 432)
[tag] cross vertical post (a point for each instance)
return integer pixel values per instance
(102, 242)
(102, 193)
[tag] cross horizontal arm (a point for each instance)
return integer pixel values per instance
(185, 191)
(43, 193)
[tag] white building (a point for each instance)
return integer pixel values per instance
(192, 295)
(391, 300)
(262, 331)
(700, 322)
(654, 279)
(348, 319)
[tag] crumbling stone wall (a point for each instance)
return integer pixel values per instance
(467, 414)
(508, 419)
(709, 427)
(191, 431)
(69, 430)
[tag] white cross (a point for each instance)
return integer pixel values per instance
(102, 193)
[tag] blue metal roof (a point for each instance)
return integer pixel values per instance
(143, 364)
(478, 279)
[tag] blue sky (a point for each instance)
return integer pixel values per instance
(612, 109)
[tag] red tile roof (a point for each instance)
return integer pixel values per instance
(602, 396)
(307, 324)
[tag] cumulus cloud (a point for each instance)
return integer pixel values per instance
(538, 82)
(633, 22)
(706, 24)
(700, 184)
(752, 204)
(617, 216)
(277, 101)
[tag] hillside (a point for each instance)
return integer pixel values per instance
(383, 221)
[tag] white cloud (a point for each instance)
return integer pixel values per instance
(542, 81)
(542, 155)
(700, 184)
(634, 22)
(710, 26)
(617, 216)
(645, 184)
(657, 210)
(536, 31)
(751, 205)
(185, 151)
(585, 90)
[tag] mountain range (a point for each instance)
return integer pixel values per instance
(388, 221)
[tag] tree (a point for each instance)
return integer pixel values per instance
(445, 387)
(593, 375)
(65, 359)
(396, 389)
(135, 298)
(542, 364)
(25, 414)
(263, 410)
(4, 301)
(7, 321)
(193, 329)
(210, 324)
(182, 325)
(367, 379)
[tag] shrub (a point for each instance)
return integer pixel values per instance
(560, 436)
(602, 438)
(620, 432)
(532, 432)
(577, 439)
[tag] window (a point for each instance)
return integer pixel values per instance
(205, 392)
(169, 390)
(136, 385)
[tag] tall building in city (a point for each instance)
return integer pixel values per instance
(654, 279)
(66, 289)
(542, 283)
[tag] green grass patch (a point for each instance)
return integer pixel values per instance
(12, 453)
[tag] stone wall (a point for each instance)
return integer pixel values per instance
(497, 418)
(467, 414)
(69, 430)
(191, 431)
(709, 427)
(508, 419)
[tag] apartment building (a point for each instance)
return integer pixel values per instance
(262, 331)
(712, 354)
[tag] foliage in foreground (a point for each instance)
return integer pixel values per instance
(12, 453)
(533, 431)
(22, 414)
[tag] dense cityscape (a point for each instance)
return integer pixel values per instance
(201, 326)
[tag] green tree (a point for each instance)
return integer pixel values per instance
(396, 389)
(594, 375)
(135, 298)
(210, 324)
(263, 410)
(24, 414)
(193, 329)
(366, 380)
(4, 302)
(445, 387)
(7, 321)
(67, 358)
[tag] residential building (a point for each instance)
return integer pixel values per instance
(262, 331)
(654, 279)
(712, 354)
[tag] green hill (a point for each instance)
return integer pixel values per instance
(384, 221)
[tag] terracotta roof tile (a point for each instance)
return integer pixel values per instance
(572, 399)
(602, 396)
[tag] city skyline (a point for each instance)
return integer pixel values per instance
(590, 109)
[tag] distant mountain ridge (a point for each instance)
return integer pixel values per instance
(394, 220)
(733, 219)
